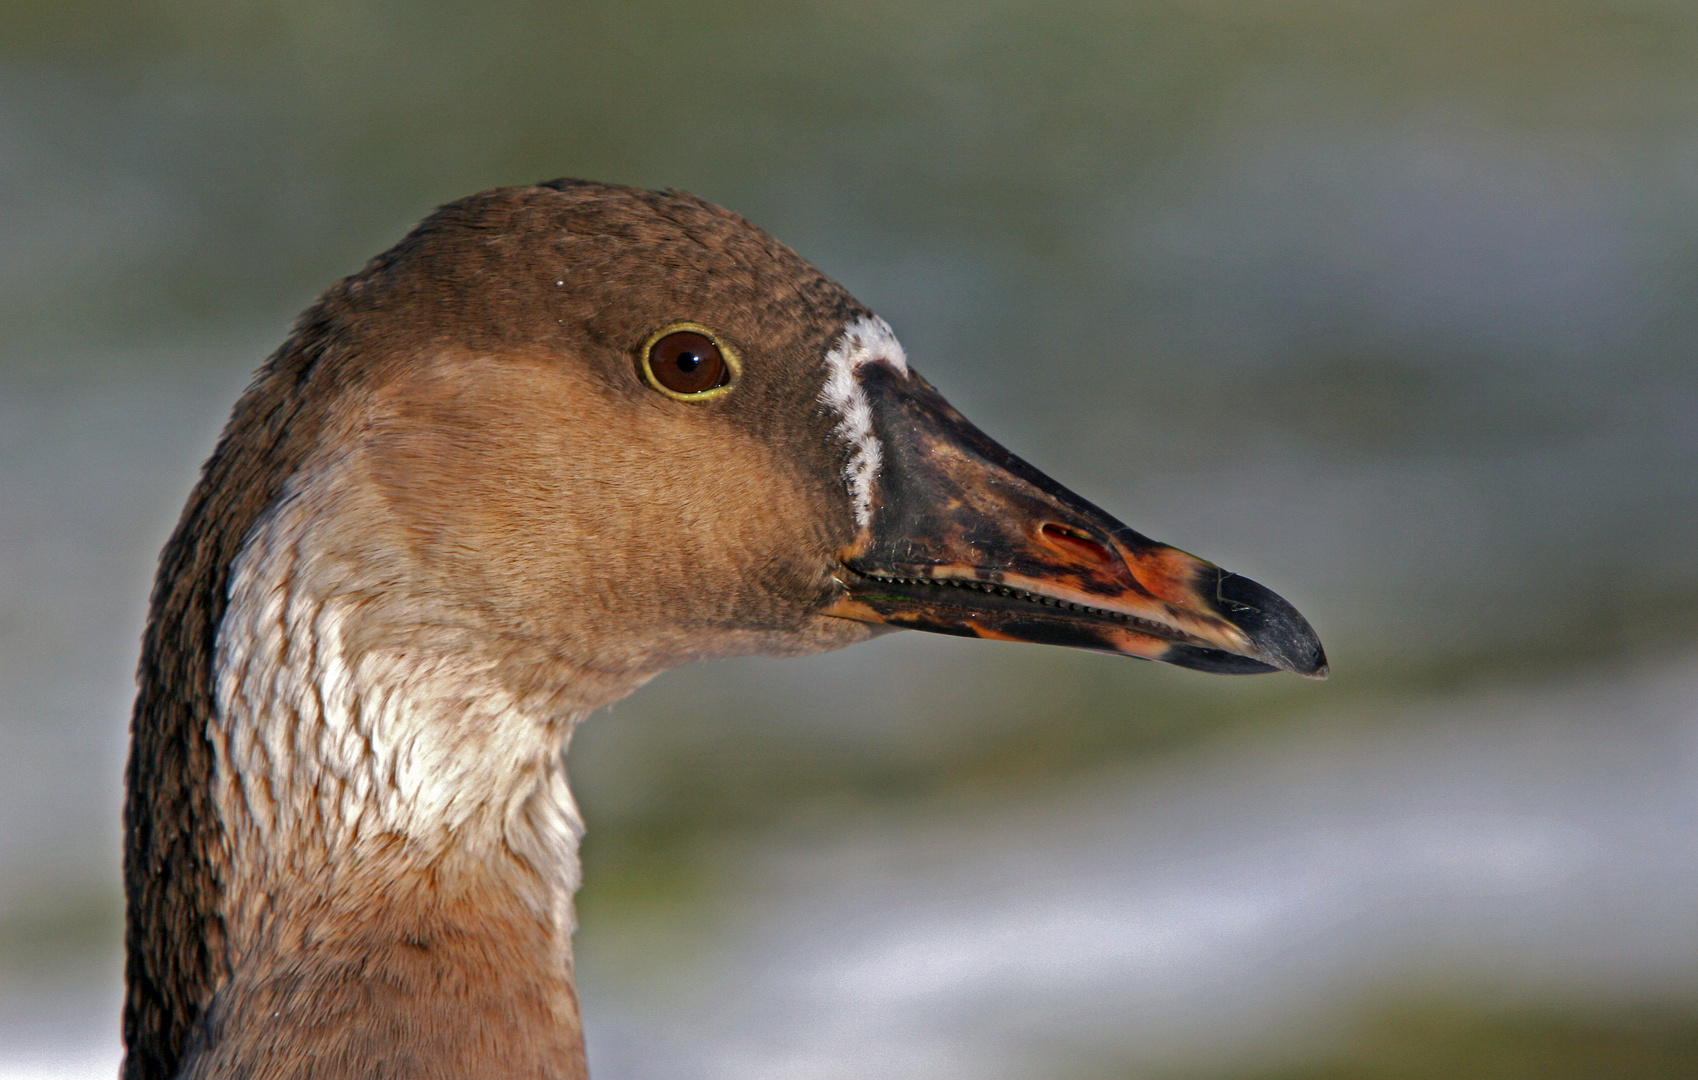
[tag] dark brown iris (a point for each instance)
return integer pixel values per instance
(686, 362)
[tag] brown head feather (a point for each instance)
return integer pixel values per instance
(476, 385)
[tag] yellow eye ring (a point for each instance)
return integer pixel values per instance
(687, 361)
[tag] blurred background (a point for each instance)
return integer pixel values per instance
(1388, 305)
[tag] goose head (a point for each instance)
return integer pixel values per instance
(559, 439)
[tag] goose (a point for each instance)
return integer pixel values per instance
(559, 439)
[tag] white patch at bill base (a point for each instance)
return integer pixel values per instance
(864, 341)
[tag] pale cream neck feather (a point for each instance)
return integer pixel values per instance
(343, 756)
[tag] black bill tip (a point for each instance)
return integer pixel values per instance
(1283, 637)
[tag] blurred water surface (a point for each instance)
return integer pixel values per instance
(1387, 305)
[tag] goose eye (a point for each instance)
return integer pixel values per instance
(686, 363)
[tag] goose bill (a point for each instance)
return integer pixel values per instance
(967, 539)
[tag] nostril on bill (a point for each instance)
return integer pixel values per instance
(1076, 543)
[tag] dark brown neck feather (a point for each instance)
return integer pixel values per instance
(173, 850)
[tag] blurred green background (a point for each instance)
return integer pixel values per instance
(1388, 305)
